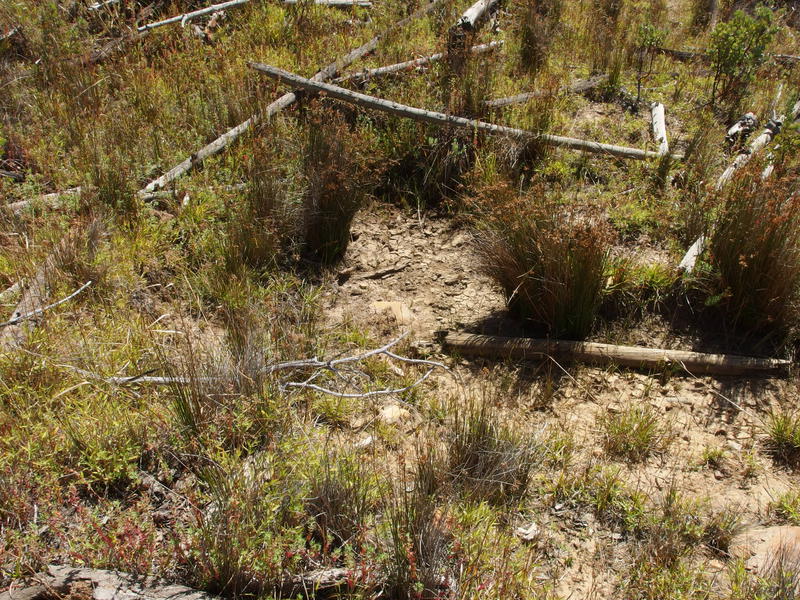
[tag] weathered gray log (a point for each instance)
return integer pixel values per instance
(226, 139)
(603, 354)
(475, 14)
(15, 175)
(659, 127)
(410, 64)
(115, 585)
(427, 116)
(53, 200)
(578, 87)
(336, 3)
(772, 128)
(186, 17)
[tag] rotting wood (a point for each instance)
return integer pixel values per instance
(771, 129)
(659, 127)
(578, 87)
(602, 354)
(427, 116)
(226, 139)
(408, 65)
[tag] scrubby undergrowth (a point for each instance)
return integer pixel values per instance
(543, 480)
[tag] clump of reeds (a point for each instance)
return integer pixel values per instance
(549, 261)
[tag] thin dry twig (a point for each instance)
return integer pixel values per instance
(38, 311)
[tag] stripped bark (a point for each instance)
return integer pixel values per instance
(579, 87)
(226, 139)
(604, 354)
(427, 116)
(659, 128)
(408, 65)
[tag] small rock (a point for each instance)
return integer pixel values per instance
(393, 414)
(735, 446)
(402, 313)
(365, 443)
(529, 533)
(762, 546)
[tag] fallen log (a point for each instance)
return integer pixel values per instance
(32, 300)
(578, 87)
(53, 200)
(427, 116)
(604, 354)
(186, 17)
(475, 14)
(408, 65)
(226, 139)
(771, 129)
(659, 127)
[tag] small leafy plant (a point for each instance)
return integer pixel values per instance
(738, 48)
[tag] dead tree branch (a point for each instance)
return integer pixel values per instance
(19, 318)
(226, 139)
(427, 116)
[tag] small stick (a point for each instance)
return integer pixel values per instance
(39, 311)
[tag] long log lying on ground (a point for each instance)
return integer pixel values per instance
(603, 354)
(427, 116)
(659, 127)
(186, 17)
(772, 128)
(226, 139)
(578, 87)
(410, 64)
(52, 200)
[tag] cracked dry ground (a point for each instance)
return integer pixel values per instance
(429, 268)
